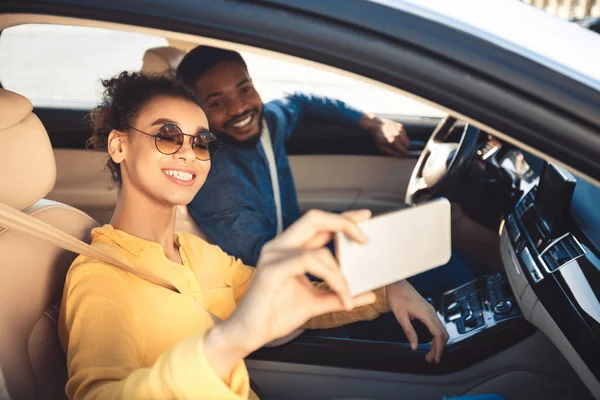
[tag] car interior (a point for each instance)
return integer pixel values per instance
(528, 331)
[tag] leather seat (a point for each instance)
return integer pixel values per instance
(32, 361)
(161, 60)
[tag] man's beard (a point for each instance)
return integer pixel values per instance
(247, 143)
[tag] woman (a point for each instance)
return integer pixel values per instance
(126, 337)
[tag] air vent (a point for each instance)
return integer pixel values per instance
(561, 252)
(526, 202)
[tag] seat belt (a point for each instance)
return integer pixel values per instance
(16, 220)
(267, 144)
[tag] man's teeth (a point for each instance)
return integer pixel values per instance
(244, 122)
(184, 176)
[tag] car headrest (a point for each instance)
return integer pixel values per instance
(27, 167)
(162, 60)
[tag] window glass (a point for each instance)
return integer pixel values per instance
(274, 78)
(61, 66)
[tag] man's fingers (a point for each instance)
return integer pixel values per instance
(440, 337)
(392, 151)
(392, 135)
(403, 149)
(404, 137)
(388, 149)
(408, 329)
(430, 357)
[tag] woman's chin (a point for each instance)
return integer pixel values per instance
(178, 199)
(181, 196)
(181, 201)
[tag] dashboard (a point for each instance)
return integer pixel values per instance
(550, 252)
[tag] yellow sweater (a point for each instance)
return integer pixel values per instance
(128, 338)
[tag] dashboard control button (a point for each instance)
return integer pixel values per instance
(452, 308)
(497, 277)
(454, 317)
(470, 321)
(502, 306)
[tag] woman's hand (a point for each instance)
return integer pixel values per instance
(280, 297)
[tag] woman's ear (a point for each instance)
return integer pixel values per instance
(116, 146)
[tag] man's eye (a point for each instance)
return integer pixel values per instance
(246, 89)
(216, 104)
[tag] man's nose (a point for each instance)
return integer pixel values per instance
(237, 107)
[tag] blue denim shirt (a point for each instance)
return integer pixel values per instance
(236, 207)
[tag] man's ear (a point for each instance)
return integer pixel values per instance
(116, 146)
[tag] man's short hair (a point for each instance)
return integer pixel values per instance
(202, 58)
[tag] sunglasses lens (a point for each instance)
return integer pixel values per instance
(205, 146)
(169, 139)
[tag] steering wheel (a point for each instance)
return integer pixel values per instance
(440, 162)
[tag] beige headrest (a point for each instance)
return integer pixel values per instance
(27, 168)
(161, 60)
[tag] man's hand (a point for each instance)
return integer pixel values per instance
(407, 304)
(390, 136)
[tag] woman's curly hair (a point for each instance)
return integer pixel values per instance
(123, 97)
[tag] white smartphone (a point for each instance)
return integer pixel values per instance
(401, 244)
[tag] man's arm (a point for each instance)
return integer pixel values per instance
(293, 108)
(390, 136)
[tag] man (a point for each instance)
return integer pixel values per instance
(240, 209)
(237, 206)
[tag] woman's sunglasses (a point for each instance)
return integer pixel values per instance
(169, 139)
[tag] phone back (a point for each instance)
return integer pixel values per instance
(401, 244)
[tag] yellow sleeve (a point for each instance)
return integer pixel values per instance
(237, 275)
(101, 334)
(365, 313)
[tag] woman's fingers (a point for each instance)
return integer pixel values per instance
(363, 299)
(357, 216)
(317, 262)
(327, 302)
(318, 225)
(320, 239)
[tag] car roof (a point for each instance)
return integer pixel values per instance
(520, 28)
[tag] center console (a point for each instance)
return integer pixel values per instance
(482, 318)
(477, 306)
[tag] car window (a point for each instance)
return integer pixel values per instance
(274, 78)
(61, 66)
